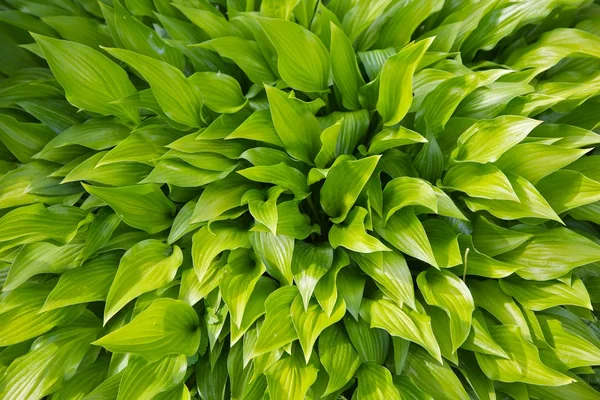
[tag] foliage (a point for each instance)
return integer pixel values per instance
(299, 199)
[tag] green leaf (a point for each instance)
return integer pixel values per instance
(348, 129)
(53, 358)
(438, 106)
(221, 93)
(375, 382)
(183, 174)
(405, 232)
(192, 290)
(568, 136)
(207, 244)
(261, 156)
(91, 80)
(276, 252)
(534, 161)
(344, 182)
(501, 22)
(310, 321)
(278, 9)
(552, 253)
(371, 344)
(577, 390)
(57, 114)
(148, 265)
(291, 377)
(486, 140)
(361, 15)
(413, 325)
(209, 20)
(479, 180)
(278, 328)
(429, 163)
(180, 392)
(24, 139)
(26, 21)
(338, 357)
(482, 385)
(481, 264)
(219, 197)
(141, 206)
(115, 174)
(309, 264)
(373, 60)
(178, 97)
(446, 206)
(393, 137)
(552, 47)
(523, 364)
(302, 59)
(443, 289)
(41, 258)
(238, 282)
(282, 175)
(100, 231)
(407, 191)
(539, 296)
(344, 68)
(575, 190)
(255, 307)
(22, 318)
(440, 323)
(409, 389)
(190, 144)
(588, 166)
(401, 347)
(395, 87)
(246, 54)
(352, 235)
(439, 379)
(444, 243)
(264, 211)
(59, 223)
(88, 283)
(531, 203)
(404, 20)
(107, 389)
(258, 126)
(297, 128)
(488, 102)
(145, 145)
(571, 349)
(166, 327)
(391, 273)
(86, 379)
(137, 37)
(488, 295)
(480, 340)
(212, 386)
(494, 240)
(326, 291)
(143, 379)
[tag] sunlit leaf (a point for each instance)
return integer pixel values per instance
(90, 79)
(146, 266)
(166, 327)
(302, 60)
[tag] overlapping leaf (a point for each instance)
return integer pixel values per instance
(299, 199)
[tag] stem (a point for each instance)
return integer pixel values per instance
(465, 270)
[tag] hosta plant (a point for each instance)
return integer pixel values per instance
(299, 199)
